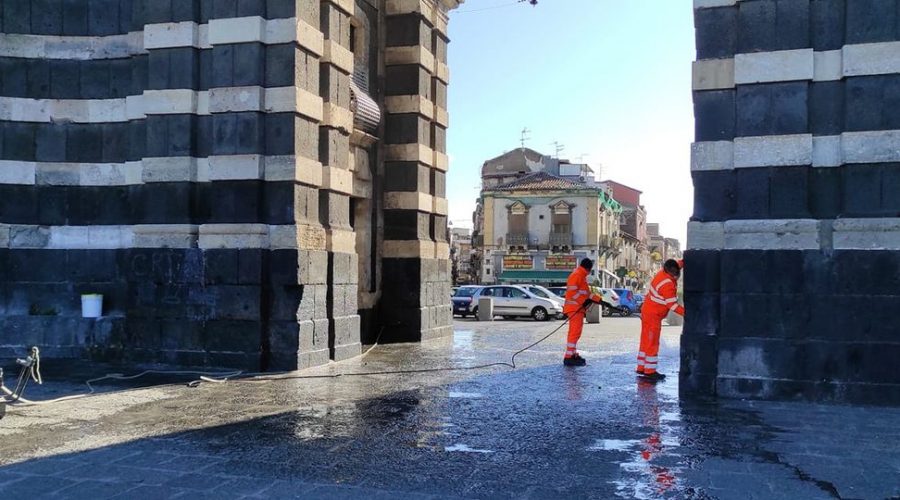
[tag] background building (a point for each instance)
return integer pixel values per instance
(537, 227)
(660, 247)
(633, 263)
(461, 257)
(236, 178)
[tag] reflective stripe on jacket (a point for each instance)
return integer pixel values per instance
(577, 291)
(662, 296)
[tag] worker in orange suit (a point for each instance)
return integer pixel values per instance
(661, 298)
(578, 298)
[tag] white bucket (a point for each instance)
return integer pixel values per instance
(91, 305)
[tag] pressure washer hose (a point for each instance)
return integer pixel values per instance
(241, 376)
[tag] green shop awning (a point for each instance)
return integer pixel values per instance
(533, 276)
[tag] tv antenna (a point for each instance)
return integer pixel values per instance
(558, 147)
(525, 136)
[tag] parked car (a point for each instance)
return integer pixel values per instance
(462, 300)
(639, 301)
(512, 301)
(547, 294)
(627, 303)
(609, 302)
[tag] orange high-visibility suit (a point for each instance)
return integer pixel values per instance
(577, 291)
(661, 298)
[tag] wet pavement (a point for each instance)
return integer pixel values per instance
(539, 431)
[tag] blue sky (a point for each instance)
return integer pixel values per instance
(609, 79)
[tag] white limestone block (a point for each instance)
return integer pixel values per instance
(829, 65)
(872, 59)
(235, 167)
(294, 99)
(236, 99)
(774, 234)
(169, 169)
(17, 172)
(57, 174)
(170, 101)
(283, 236)
(69, 237)
(713, 74)
(134, 172)
(237, 30)
(440, 205)
(103, 174)
(310, 38)
(203, 102)
(827, 151)
(4, 235)
(166, 235)
(234, 236)
(202, 169)
(773, 151)
(281, 30)
(107, 110)
(705, 4)
(780, 66)
(169, 35)
(339, 56)
(111, 236)
(871, 147)
(705, 235)
(866, 234)
(337, 117)
(337, 179)
(712, 155)
(134, 107)
(293, 168)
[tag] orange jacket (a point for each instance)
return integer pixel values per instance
(662, 296)
(577, 291)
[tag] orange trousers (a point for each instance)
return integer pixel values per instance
(576, 324)
(648, 355)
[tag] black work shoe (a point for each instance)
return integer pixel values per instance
(574, 361)
(655, 376)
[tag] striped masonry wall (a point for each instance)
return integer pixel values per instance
(197, 163)
(794, 246)
(415, 250)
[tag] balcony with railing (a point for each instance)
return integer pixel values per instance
(560, 239)
(517, 239)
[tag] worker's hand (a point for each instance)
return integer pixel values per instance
(587, 303)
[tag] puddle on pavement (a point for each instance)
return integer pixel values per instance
(614, 445)
(466, 395)
(462, 339)
(462, 448)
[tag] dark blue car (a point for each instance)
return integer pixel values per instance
(627, 303)
(462, 300)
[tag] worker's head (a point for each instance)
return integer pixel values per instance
(587, 264)
(672, 268)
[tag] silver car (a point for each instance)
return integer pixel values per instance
(546, 294)
(511, 301)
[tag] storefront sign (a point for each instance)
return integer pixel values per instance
(517, 262)
(560, 262)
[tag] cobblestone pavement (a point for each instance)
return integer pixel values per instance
(539, 431)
